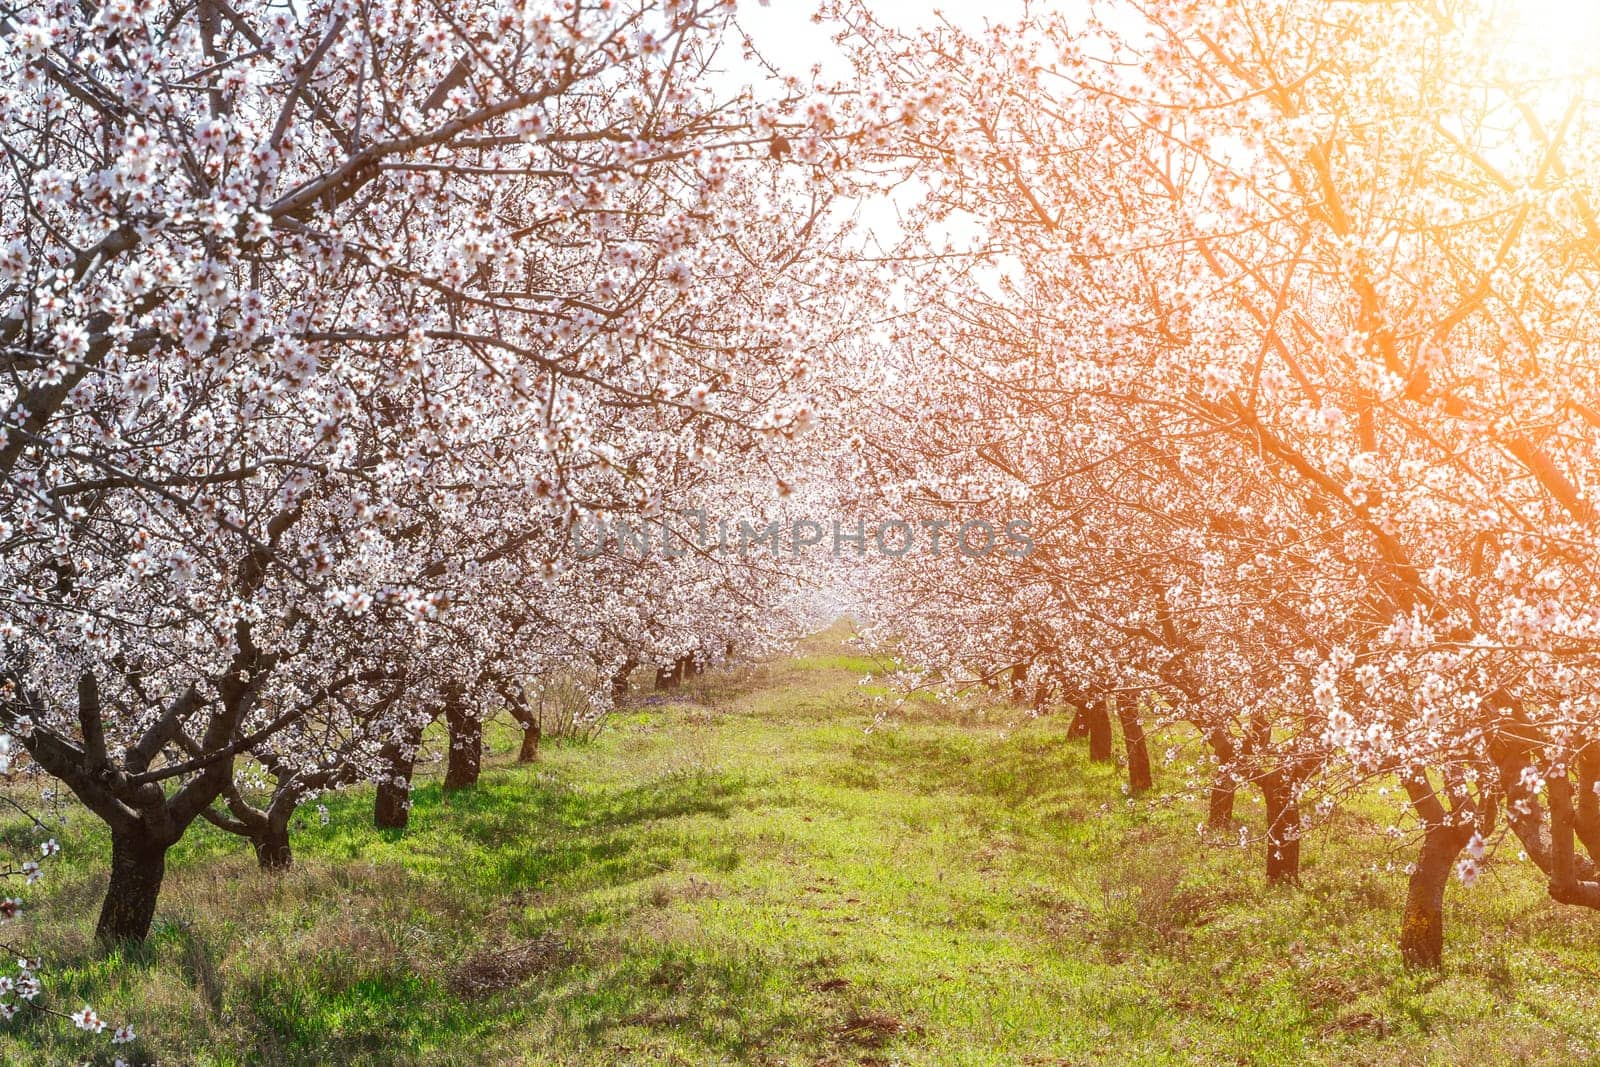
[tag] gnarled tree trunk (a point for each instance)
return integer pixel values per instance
(531, 733)
(528, 718)
(1422, 925)
(391, 807)
(1283, 829)
(1133, 739)
(268, 830)
(1219, 812)
(1079, 726)
(273, 851)
(1586, 819)
(1019, 683)
(1099, 723)
(619, 682)
(144, 818)
(1445, 834)
(466, 745)
(1219, 809)
(138, 865)
(1567, 886)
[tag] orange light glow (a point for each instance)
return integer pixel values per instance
(1562, 35)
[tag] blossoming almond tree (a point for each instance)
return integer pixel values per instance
(1339, 246)
(297, 301)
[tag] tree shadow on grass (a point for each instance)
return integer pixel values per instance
(509, 834)
(348, 962)
(722, 1001)
(1024, 767)
(478, 851)
(610, 1002)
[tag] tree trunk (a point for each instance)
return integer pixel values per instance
(1019, 683)
(466, 746)
(530, 742)
(1586, 819)
(1444, 834)
(1139, 776)
(1079, 727)
(1042, 694)
(391, 809)
(529, 718)
(1283, 831)
(1219, 816)
(138, 864)
(1099, 720)
(273, 852)
(1422, 928)
(1566, 886)
(619, 682)
(665, 678)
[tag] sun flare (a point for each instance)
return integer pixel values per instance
(1562, 35)
(610, 493)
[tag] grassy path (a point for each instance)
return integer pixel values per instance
(769, 882)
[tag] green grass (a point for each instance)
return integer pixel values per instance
(761, 875)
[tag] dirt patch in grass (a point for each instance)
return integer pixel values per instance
(507, 966)
(1360, 1022)
(688, 891)
(870, 1030)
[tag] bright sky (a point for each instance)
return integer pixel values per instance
(784, 32)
